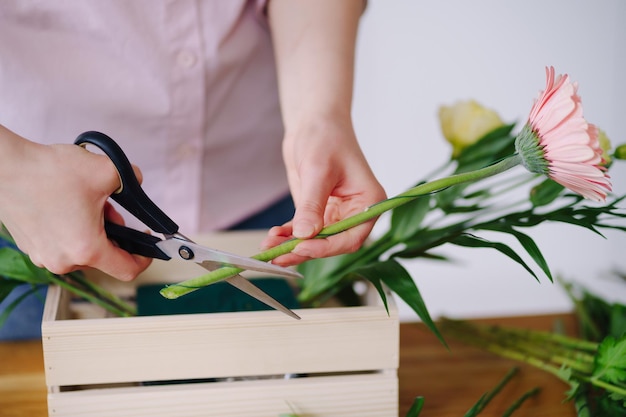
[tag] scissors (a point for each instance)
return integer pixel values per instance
(131, 197)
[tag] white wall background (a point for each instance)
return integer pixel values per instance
(414, 56)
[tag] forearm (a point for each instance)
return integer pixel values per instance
(11, 147)
(328, 175)
(13, 152)
(314, 43)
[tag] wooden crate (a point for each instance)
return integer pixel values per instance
(335, 361)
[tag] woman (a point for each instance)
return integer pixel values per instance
(204, 97)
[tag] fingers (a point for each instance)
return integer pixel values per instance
(310, 203)
(138, 173)
(105, 257)
(277, 235)
(112, 215)
(120, 264)
(345, 242)
(57, 207)
(117, 262)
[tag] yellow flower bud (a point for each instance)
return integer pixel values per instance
(465, 122)
(605, 145)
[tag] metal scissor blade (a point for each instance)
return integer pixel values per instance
(200, 254)
(252, 290)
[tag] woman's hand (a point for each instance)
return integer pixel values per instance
(330, 180)
(54, 202)
(328, 175)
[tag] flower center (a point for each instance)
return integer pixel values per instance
(532, 153)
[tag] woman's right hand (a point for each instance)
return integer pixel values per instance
(53, 201)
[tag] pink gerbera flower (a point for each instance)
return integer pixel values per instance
(557, 141)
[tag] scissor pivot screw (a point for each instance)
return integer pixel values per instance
(185, 252)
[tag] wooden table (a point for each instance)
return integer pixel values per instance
(450, 381)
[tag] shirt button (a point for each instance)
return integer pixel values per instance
(186, 59)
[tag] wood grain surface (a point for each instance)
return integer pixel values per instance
(451, 381)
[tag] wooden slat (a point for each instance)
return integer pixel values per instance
(113, 350)
(372, 395)
(450, 381)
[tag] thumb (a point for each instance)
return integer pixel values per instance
(308, 219)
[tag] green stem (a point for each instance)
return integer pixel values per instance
(581, 403)
(372, 212)
(491, 394)
(317, 294)
(102, 294)
(606, 386)
(523, 357)
(90, 297)
(522, 343)
(520, 401)
(469, 334)
(583, 314)
(556, 338)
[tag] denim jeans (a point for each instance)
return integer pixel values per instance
(275, 215)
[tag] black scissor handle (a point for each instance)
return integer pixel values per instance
(130, 195)
(134, 241)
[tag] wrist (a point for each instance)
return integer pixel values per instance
(320, 124)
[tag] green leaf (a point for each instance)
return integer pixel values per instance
(16, 265)
(610, 361)
(545, 193)
(617, 327)
(494, 145)
(429, 238)
(372, 273)
(5, 235)
(609, 406)
(416, 407)
(323, 267)
(447, 199)
(596, 317)
(455, 200)
(8, 309)
(527, 243)
(400, 282)
(472, 241)
(7, 286)
(577, 221)
(565, 374)
(325, 275)
(463, 209)
(406, 220)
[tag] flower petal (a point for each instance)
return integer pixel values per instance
(575, 153)
(568, 144)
